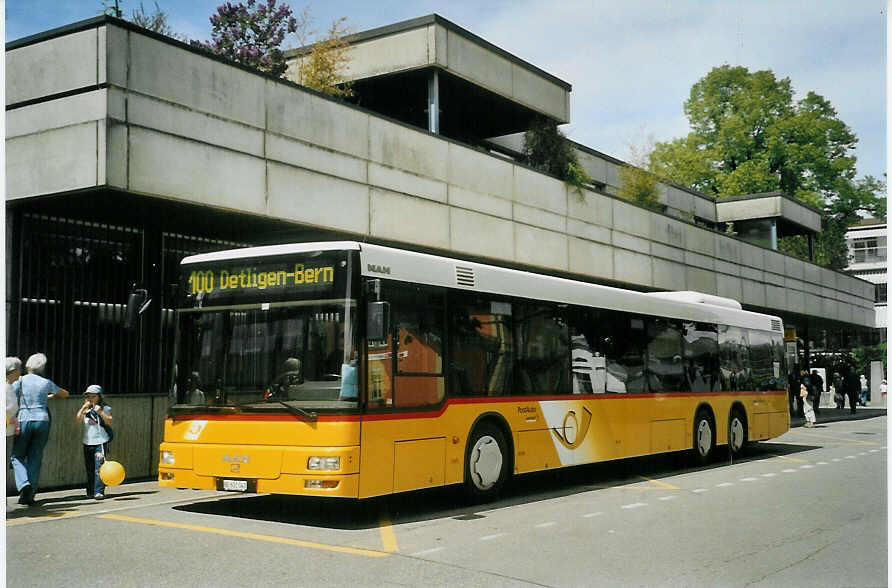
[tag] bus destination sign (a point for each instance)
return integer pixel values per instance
(298, 276)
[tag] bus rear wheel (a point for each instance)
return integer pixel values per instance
(737, 432)
(704, 436)
(486, 463)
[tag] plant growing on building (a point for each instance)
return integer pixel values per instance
(748, 135)
(321, 64)
(252, 34)
(155, 21)
(548, 150)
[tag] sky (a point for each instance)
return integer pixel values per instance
(631, 64)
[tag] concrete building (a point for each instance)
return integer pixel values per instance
(866, 240)
(127, 150)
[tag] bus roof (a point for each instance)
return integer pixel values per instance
(434, 270)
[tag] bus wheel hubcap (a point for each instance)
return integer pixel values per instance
(736, 434)
(704, 437)
(486, 462)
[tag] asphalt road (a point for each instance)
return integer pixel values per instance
(808, 509)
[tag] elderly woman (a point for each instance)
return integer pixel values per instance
(33, 391)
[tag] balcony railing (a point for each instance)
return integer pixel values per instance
(872, 255)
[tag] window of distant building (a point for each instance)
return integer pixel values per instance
(867, 250)
(881, 293)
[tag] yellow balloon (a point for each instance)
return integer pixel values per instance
(112, 473)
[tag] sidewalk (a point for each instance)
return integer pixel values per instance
(832, 415)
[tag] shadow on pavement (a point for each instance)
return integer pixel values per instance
(448, 502)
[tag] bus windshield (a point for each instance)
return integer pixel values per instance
(288, 346)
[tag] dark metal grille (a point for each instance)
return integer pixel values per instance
(74, 281)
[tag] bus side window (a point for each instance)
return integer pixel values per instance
(665, 368)
(734, 360)
(542, 342)
(481, 351)
(418, 321)
(701, 357)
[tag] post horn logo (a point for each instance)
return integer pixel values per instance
(572, 432)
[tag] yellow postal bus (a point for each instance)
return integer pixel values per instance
(355, 370)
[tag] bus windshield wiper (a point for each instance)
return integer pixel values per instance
(295, 410)
(179, 409)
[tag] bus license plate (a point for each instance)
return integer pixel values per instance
(235, 485)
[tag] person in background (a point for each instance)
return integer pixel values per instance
(33, 391)
(852, 387)
(817, 388)
(95, 439)
(838, 395)
(13, 371)
(862, 400)
(805, 394)
(883, 392)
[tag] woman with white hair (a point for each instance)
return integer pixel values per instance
(33, 392)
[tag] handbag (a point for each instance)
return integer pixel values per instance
(108, 430)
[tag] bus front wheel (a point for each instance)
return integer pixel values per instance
(704, 436)
(486, 463)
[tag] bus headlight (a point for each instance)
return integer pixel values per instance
(167, 457)
(325, 464)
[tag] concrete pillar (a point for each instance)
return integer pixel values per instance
(433, 102)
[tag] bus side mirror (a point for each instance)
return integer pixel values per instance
(377, 321)
(137, 303)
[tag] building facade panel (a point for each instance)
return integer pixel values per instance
(56, 160)
(591, 259)
(485, 203)
(397, 180)
(408, 149)
(540, 218)
(632, 268)
(285, 150)
(317, 121)
(589, 231)
(63, 64)
(177, 168)
(320, 200)
(481, 234)
(540, 247)
(397, 217)
(535, 189)
(668, 275)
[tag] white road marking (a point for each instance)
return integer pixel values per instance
(699, 490)
(543, 525)
(672, 497)
(836, 459)
(428, 551)
(769, 475)
(789, 471)
(863, 453)
(748, 479)
(592, 514)
(874, 451)
(851, 457)
(634, 505)
(724, 484)
(822, 463)
(491, 537)
(806, 467)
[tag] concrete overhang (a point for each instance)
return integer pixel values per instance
(390, 67)
(793, 216)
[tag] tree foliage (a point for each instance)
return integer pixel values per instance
(547, 149)
(252, 34)
(748, 135)
(322, 66)
(154, 21)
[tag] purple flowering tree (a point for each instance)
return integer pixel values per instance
(252, 34)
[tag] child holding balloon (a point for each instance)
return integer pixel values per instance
(94, 414)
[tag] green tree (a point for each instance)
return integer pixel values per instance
(749, 135)
(547, 149)
(637, 182)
